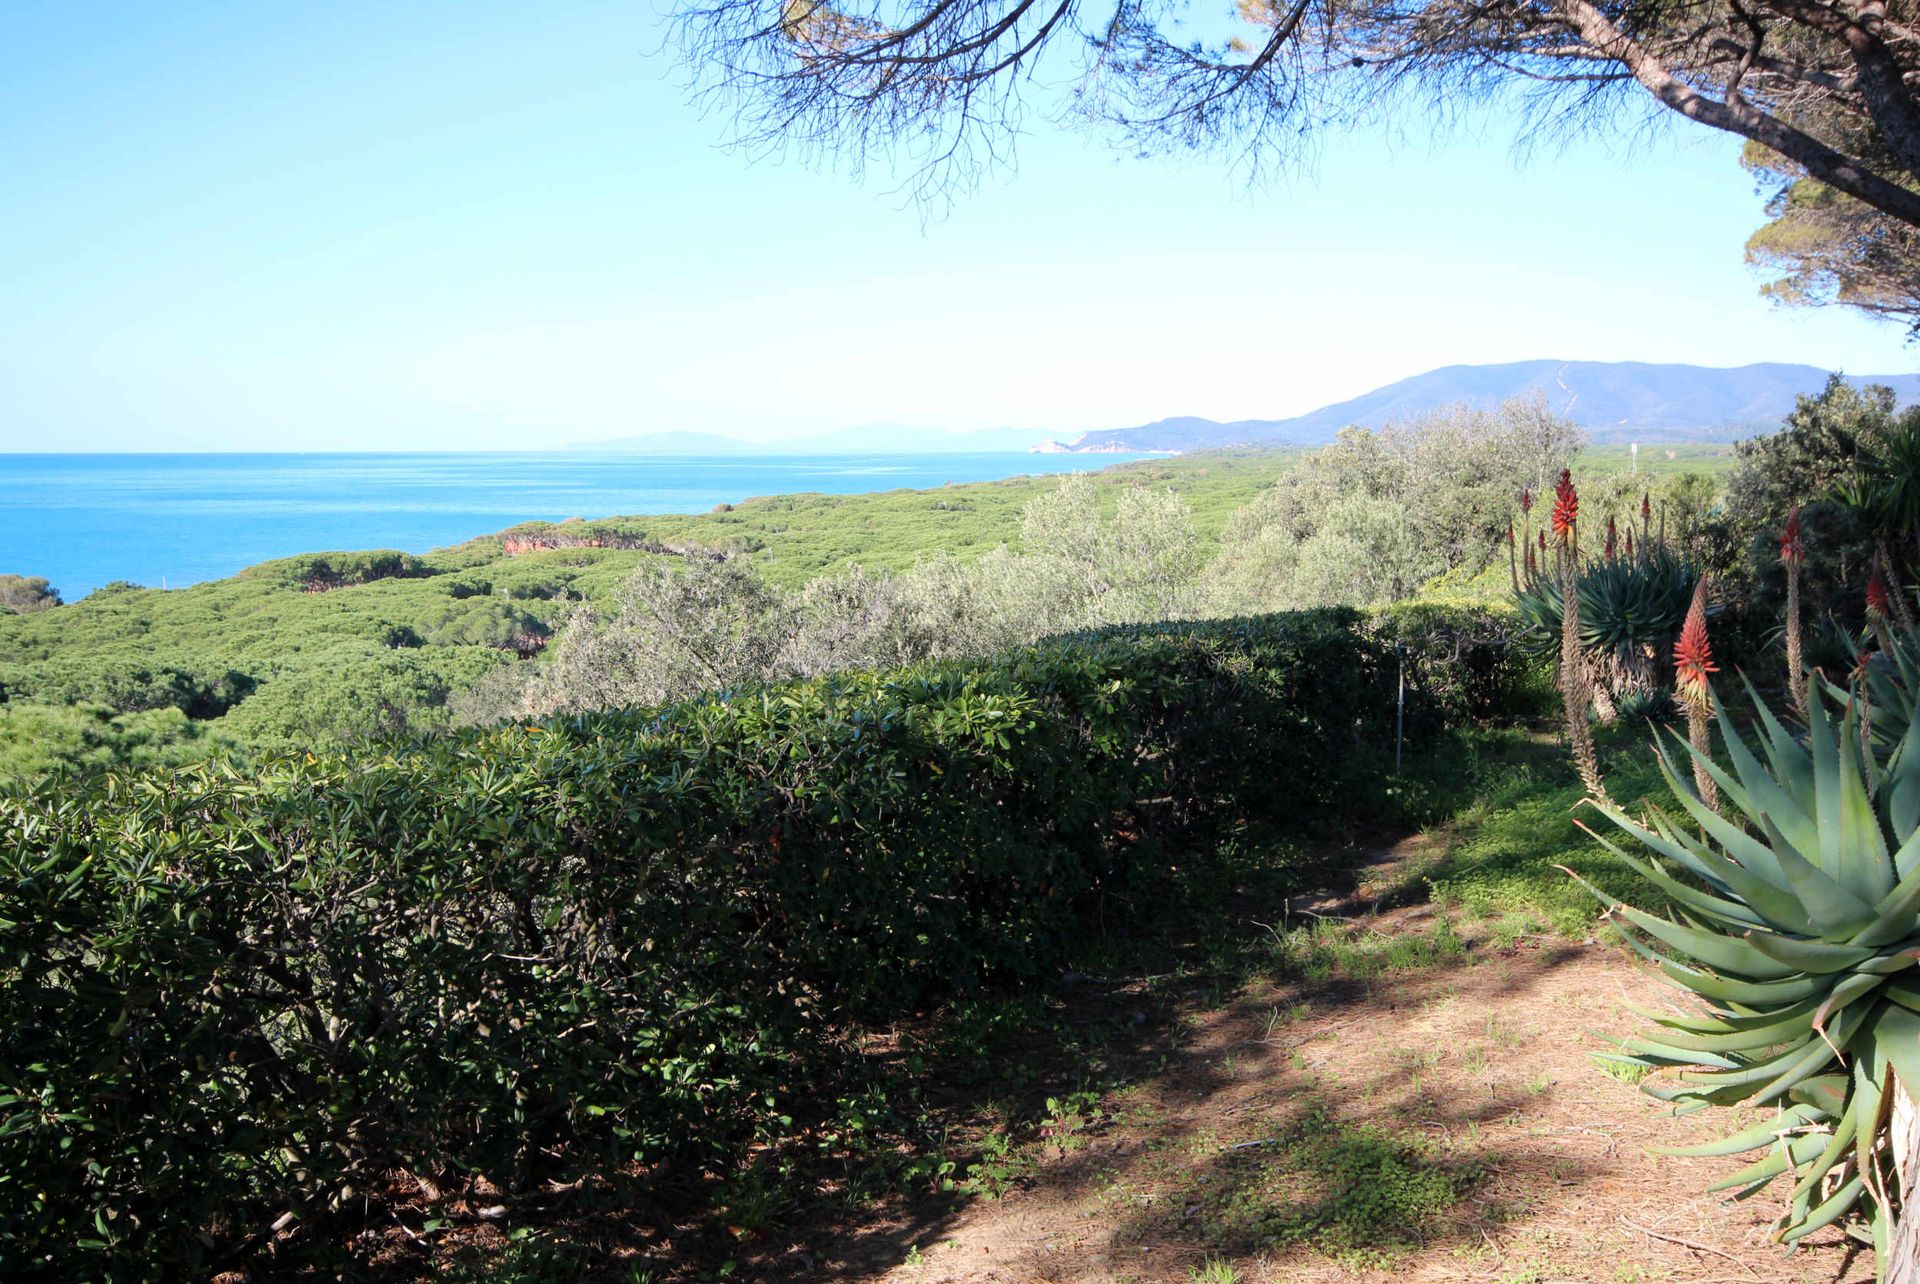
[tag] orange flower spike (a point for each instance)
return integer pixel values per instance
(1566, 508)
(1693, 653)
(1879, 605)
(1792, 551)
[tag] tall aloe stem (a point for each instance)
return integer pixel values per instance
(1692, 662)
(1574, 696)
(1792, 554)
(1796, 650)
(1902, 608)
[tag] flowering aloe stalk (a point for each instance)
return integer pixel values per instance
(1613, 539)
(1798, 928)
(1646, 517)
(1793, 555)
(1879, 606)
(1566, 510)
(1692, 662)
(1574, 696)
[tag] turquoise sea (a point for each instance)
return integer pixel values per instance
(169, 520)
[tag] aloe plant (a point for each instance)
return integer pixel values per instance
(1630, 610)
(1796, 923)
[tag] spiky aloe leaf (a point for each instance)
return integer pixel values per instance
(1808, 955)
(1826, 1214)
(1771, 904)
(1719, 951)
(1764, 1133)
(1826, 1093)
(1790, 1153)
(1727, 989)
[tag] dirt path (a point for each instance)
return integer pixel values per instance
(1419, 1105)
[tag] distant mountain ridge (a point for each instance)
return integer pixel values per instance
(1613, 400)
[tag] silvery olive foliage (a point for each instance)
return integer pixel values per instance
(1363, 522)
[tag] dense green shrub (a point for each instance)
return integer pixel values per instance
(20, 594)
(477, 621)
(38, 740)
(1463, 661)
(582, 948)
(127, 684)
(319, 572)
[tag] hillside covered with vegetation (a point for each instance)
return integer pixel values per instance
(712, 887)
(346, 646)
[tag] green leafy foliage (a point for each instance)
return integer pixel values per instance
(1461, 659)
(231, 998)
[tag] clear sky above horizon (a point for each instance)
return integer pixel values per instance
(502, 226)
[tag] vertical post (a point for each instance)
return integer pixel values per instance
(1400, 708)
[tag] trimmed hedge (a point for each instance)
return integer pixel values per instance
(589, 948)
(1465, 660)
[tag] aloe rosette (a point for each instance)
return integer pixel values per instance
(1797, 922)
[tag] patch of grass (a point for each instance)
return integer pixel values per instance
(1627, 1074)
(1358, 1193)
(1327, 948)
(1513, 829)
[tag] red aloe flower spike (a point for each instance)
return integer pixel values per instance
(1509, 534)
(1629, 543)
(1543, 541)
(1693, 654)
(1792, 551)
(1879, 604)
(1613, 537)
(1566, 508)
(1526, 499)
(1646, 505)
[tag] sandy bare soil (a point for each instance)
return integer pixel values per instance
(1439, 1121)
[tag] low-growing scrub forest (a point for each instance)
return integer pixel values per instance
(349, 647)
(716, 912)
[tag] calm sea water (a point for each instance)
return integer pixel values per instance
(85, 520)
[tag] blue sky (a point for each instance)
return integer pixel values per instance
(500, 225)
